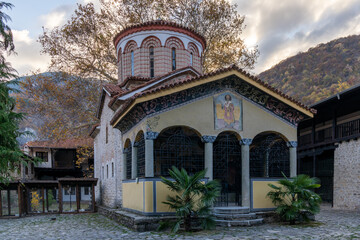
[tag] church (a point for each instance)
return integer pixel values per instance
(165, 111)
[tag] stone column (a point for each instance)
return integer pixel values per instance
(124, 167)
(292, 150)
(134, 161)
(149, 153)
(245, 170)
(209, 140)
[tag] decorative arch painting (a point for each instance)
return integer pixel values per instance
(228, 111)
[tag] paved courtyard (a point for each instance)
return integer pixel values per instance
(331, 224)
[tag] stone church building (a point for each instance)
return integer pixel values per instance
(165, 111)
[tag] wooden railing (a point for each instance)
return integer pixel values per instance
(343, 131)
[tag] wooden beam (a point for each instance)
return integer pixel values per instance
(8, 197)
(0, 204)
(93, 196)
(19, 199)
(60, 198)
(77, 197)
(43, 199)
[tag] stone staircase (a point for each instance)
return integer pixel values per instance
(235, 216)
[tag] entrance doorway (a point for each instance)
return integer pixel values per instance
(227, 168)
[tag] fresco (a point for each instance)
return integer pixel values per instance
(228, 111)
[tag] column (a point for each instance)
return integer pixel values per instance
(134, 161)
(245, 170)
(124, 166)
(209, 140)
(149, 153)
(292, 150)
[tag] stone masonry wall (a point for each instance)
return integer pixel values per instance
(347, 175)
(107, 161)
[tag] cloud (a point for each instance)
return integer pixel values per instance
(283, 28)
(57, 17)
(28, 57)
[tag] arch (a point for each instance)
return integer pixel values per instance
(286, 139)
(119, 55)
(269, 155)
(128, 157)
(227, 167)
(192, 48)
(130, 46)
(178, 146)
(151, 41)
(238, 136)
(185, 126)
(140, 144)
(174, 42)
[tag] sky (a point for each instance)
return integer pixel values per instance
(279, 28)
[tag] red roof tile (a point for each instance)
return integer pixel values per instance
(159, 25)
(65, 143)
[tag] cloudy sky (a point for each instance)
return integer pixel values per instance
(280, 28)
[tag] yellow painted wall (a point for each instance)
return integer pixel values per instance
(162, 192)
(133, 197)
(260, 190)
(149, 197)
(200, 116)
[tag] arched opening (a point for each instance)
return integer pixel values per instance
(173, 58)
(180, 147)
(128, 158)
(269, 156)
(227, 168)
(152, 62)
(140, 144)
(191, 59)
(132, 63)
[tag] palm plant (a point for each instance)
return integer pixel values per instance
(295, 198)
(193, 199)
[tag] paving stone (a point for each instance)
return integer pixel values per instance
(330, 224)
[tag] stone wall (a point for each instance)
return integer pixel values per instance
(108, 161)
(347, 175)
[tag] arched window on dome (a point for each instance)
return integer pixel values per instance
(132, 63)
(173, 57)
(152, 65)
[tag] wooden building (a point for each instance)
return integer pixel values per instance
(329, 148)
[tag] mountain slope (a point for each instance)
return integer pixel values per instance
(320, 72)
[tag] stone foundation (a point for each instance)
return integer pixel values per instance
(347, 175)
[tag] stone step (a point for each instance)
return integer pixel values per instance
(235, 216)
(231, 210)
(230, 223)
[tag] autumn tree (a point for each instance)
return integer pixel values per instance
(84, 47)
(59, 105)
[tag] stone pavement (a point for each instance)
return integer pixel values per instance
(330, 224)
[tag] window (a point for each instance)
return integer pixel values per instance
(86, 190)
(103, 176)
(132, 63)
(32, 168)
(191, 59)
(107, 171)
(26, 170)
(43, 156)
(69, 191)
(151, 56)
(107, 134)
(173, 57)
(112, 169)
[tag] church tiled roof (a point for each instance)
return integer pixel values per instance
(165, 86)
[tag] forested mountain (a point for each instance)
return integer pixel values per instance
(320, 72)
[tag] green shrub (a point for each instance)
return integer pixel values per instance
(295, 198)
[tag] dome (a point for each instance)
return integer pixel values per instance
(154, 49)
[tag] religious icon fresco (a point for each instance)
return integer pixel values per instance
(228, 111)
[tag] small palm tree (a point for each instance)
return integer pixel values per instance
(295, 198)
(193, 199)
